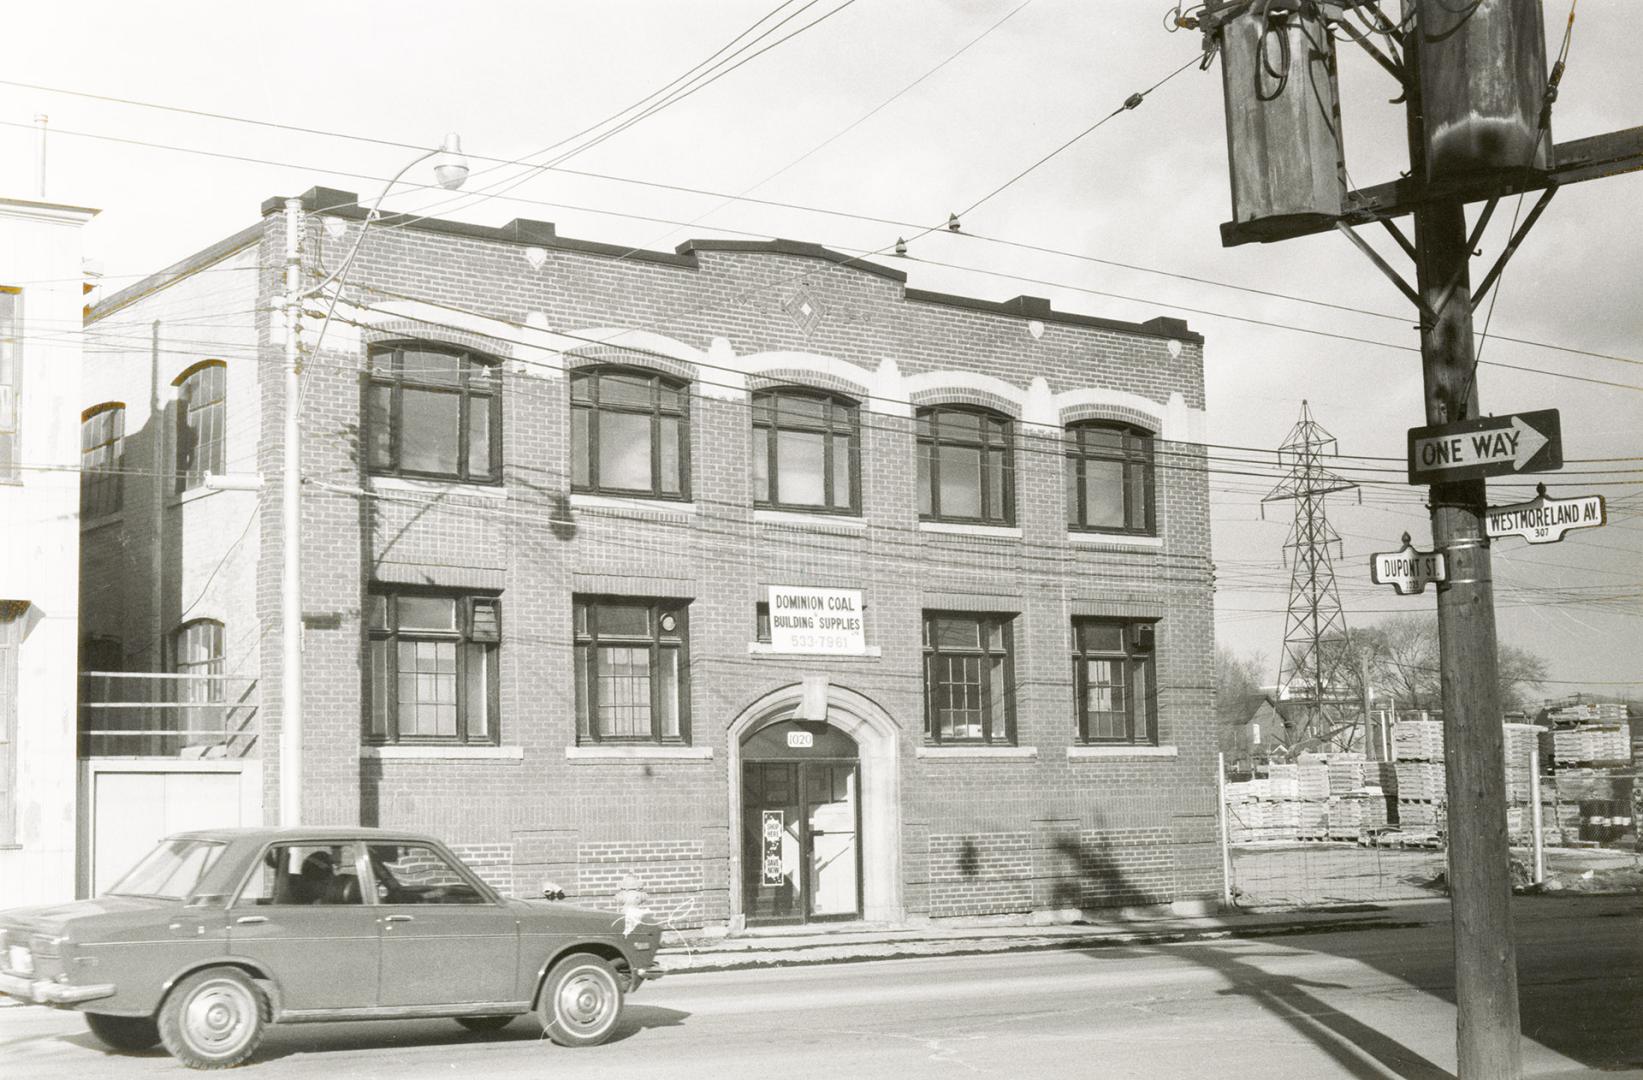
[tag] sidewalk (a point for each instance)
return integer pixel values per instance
(788, 946)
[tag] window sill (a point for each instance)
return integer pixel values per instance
(581, 500)
(437, 487)
(636, 755)
(954, 528)
(1090, 753)
(977, 753)
(1117, 541)
(440, 753)
(817, 520)
(764, 648)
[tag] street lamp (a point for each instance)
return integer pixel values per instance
(450, 172)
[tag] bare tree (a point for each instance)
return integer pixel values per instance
(1402, 657)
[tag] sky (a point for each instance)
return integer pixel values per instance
(878, 121)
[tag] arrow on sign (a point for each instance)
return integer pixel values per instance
(1493, 446)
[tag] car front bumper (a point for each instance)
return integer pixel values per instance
(45, 992)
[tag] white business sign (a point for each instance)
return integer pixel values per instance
(1407, 570)
(1544, 521)
(809, 620)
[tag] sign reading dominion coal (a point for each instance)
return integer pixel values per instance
(810, 620)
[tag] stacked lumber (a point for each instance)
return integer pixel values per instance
(1417, 740)
(1589, 743)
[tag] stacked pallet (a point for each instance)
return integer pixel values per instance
(1521, 740)
(1590, 743)
(1282, 782)
(1420, 781)
(1417, 740)
(1312, 778)
(1416, 816)
(1350, 815)
(1346, 773)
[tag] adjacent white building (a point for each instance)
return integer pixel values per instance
(40, 455)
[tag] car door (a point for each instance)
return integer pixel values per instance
(305, 919)
(446, 940)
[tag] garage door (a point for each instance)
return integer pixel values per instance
(131, 811)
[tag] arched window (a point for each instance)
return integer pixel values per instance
(202, 422)
(434, 412)
(629, 433)
(1109, 478)
(102, 458)
(197, 656)
(965, 468)
(806, 450)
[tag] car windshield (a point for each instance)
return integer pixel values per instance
(170, 871)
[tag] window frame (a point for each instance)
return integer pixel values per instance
(595, 408)
(773, 422)
(933, 654)
(1138, 649)
(930, 438)
(199, 468)
(586, 640)
(392, 635)
(392, 377)
(11, 390)
(96, 479)
(1141, 456)
(11, 642)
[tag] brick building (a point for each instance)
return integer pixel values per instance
(744, 569)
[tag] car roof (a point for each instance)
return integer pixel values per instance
(301, 833)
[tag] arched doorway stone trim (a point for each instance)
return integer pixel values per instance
(878, 738)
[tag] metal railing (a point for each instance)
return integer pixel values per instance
(167, 715)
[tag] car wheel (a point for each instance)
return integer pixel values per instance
(484, 1023)
(213, 1019)
(581, 1001)
(124, 1032)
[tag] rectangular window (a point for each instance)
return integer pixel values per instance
(202, 419)
(969, 691)
(102, 460)
(1110, 479)
(1113, 681)
(431, 667)
(11, 381)
(11, 627)
(632, 670)
(629, 434)
(434, 413)
(965, 472)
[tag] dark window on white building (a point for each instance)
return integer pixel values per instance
(1114, 681)
(630, 434)
(432, 666)
(434, 413)
(969, 682)
(632, 670)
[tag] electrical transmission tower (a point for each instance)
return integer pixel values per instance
(1315, 672)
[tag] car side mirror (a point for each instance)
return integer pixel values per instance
(550, 891)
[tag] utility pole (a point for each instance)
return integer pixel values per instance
(291, 533)
(1478, 122)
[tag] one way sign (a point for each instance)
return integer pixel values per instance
(1492, 446)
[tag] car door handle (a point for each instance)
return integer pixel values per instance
(399, 918)
(251, 920)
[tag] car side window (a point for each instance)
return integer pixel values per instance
(303, 874)
(418, 874)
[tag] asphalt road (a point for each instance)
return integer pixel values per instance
(1361, 1004)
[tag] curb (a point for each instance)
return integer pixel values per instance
(678, 961)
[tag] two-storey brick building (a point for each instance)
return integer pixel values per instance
(745, 569)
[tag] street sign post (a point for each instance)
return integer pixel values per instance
(1545, 521)
(1407, 570)
(1489, 446)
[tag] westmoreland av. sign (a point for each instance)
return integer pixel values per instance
(1492, 446)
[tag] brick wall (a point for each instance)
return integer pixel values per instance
(975, 836)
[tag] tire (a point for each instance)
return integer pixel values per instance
(581, 1001)
(484, 1023)
(213, 1019)
(130, 1033)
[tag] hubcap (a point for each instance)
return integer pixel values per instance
(585, 1001)
(219, 1017)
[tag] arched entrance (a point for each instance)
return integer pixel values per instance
(815, 811)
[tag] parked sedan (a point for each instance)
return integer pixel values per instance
(215, 934)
